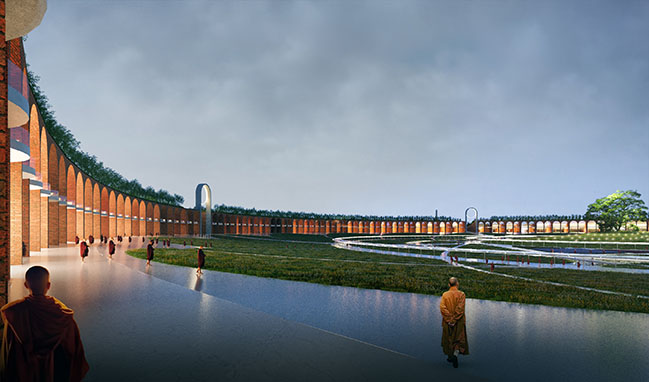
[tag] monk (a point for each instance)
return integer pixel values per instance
(454, 339)
(111, 248)
(91, 239)
(201, 260)
(149, 252)
(76, 240)
(83, 251)
(129, 239)
(40, 340)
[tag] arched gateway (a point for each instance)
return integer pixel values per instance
(208, 209)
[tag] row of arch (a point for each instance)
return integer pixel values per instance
(252, 225)
(548, 226)
(52, 201)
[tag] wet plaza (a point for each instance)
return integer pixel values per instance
(165, 323)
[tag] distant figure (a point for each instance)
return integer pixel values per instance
(149, 253)
(40, 340)
(91, 239)
(201, 260)
(191, 242)
(156, 241)
(129, 239)
(143, 239)
(111, 249)
(454, 339)
(76, 240)
(83, 251)
(101, 238)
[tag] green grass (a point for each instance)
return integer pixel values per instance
(331, 266)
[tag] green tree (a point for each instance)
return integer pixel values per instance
(613, 211)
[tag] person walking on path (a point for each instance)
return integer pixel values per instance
(454, 340)
(201, 260)
(40, 340)
(111, 248)
(149, 252)
(83, 251)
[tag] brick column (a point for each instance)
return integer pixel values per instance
(4, 163)
(16, 212)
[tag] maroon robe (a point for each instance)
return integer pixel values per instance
(111, 247)
(76, 240)
(149, 252)
(201, 258)
(129, 239)
(83, 249)
(91, 239)
(41, 341)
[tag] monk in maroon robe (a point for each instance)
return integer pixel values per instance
(76, 240)
(40, 340)
(111, 248)
(83, 251)
(91, 239)
(454, 340)
(129, 239)
(149, 253)
(143, 239)
(201, 260)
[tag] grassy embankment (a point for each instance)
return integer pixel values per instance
(323, 264)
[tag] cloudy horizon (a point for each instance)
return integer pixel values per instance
(373, 108)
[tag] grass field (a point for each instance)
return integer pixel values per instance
(332, 266)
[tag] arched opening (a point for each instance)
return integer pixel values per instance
(135, 217)
(103, 212)
(121, 231)
(112, 214)
(70, 207)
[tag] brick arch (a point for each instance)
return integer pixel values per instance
(112, 214)
(103, 210)
(53, 202)
(62, 202)
(96, 210)
(119, 214)
(89, 221)
(128, 215)
(142, 216)
(70, 206)
(35, 195)
(80, 207)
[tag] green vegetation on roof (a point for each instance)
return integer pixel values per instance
(89, 164)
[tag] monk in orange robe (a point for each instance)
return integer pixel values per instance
(454, 340)
(41, 340)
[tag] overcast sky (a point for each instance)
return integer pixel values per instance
(377, 107)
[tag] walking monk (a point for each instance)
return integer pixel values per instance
(201, 260)
(149, 253)
(40, 340)
(454, 340)
(83, 251)
(111, 248)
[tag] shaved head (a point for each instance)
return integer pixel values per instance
(37, 280)
(453, 281)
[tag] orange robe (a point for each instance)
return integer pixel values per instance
(453, 322)
(41, 342)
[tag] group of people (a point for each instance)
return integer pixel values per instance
(41, 340)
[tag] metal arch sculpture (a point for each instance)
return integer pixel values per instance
(466, 218)
(208, 209)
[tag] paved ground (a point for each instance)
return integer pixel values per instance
(137, 327)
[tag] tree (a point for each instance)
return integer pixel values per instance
(613, 211)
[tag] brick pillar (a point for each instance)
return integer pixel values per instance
(4, 163)
(25, 193)
(16, 212)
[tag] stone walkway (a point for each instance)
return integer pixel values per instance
(138, 327)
